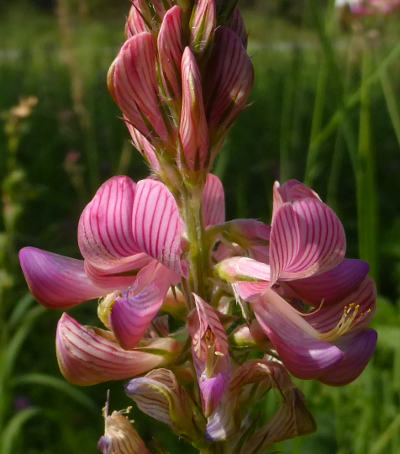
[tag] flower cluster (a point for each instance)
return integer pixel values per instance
(161, 249)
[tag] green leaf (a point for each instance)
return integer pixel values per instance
(14, 427)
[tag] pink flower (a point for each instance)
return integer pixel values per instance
(131, 238)
(305, 263)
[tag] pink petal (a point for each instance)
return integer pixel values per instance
(229, 82)
(307, 238)
(193, 129)
(56, 281)
(87, 356)
(248, 291)
(332, 286)
(289, 192)
(357, 351)
(137, 96)
(144, 147)
(213, 201)
(157, 225)
(237, 25)
(295, 340)
(105, 228)
(135, 23)
(170, 50)
(242, 269)
(133, 311)
(202, 25)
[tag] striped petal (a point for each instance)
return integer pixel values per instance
(160, 396)
(144, 147)
(332, 286)
(295, 340)
(137, 96)
(357, 350)
(170, 50)
(56, 281)
(193, 129)
(120, 437)
(229, 82)
(105, 235)
(289, 192)
(157, 225)
(202, 26)
(133, 311)
(307, 239)
(135, 23)
(87, 356)
(213, 201)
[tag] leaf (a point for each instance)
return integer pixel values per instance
(14, 427)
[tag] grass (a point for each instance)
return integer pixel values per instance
(323, 108)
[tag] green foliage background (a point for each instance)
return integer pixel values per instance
(324, 108)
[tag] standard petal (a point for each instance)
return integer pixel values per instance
(136, 307)
(307, 238)
(295, 340)
(213, 201)
(88, 356)
(157, 225)
(105, 235)
(357, 351)
(332, 286)
(137, 96)
(56, 281)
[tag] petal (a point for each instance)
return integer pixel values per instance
(357, 349)
(135, 23)
(295, 340)
(56, 281)
(160, 396)
(136, 307)
(170, 50)
(237, 25)
(213, 201)
(144, 147)
(120, 437)
(242, 269)
(334, 285)
(202, 25)
(307, 238)
(248, 291)
(88, 356)
(157, 225)
(193, 128)
(289, 192)
(137, 96)
(105, 227)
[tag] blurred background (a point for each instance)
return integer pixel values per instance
(325, 109)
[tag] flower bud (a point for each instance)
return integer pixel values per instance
(193, 130)
(202, 26)
(159, 395)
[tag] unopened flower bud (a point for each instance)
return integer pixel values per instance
(202, 26)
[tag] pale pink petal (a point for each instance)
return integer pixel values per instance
(56, 281)
(289, 192)
(105, 235)
(307, 239)
(170, 50)
(213, 201)
(202, 25)
(157, 225)
(295, 340)
(135, 23)
(144, 147)
(136, 95)
(193, 129)
(357, 350)
(133, 311)
(248, 291)
(332, 286)
(88, 356)
(242, 269)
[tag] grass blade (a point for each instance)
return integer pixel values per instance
(14, 427)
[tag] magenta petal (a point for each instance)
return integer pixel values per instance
(133, 311)
(289, 192)
(56, 281)
(307, 238)
(213, 201)
(333, 285)
(86, 357)
(157, 225)
(105, 227)
(295, 340)
(357, 349)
